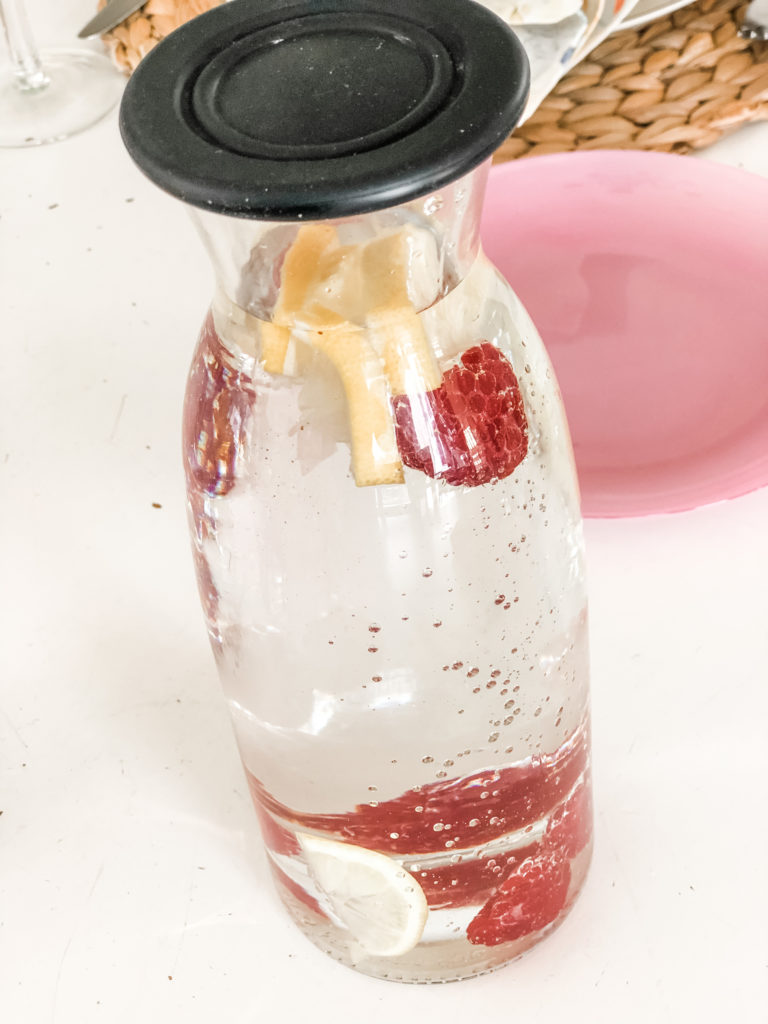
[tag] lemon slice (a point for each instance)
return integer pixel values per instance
(382, 905)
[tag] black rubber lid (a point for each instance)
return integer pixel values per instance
(280, 110)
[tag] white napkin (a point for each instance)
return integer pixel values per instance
(550, 49)
(533, 12)
(757, 13)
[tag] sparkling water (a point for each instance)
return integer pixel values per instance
(405, 642)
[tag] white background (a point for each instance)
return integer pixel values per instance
(132, 885)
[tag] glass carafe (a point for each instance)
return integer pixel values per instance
(388, 545)
(386, 530)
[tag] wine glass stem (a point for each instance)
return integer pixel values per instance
(27, 68)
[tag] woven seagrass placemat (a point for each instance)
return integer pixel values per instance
(138, 34)
(675, 84)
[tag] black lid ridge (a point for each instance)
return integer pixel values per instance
(273, 109)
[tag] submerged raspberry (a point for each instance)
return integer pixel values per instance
(453, 814)
(277, 838)
(570, 827)
(476, 880)
(472, 881)
(535, 891)
(470, 430)
(526, 902)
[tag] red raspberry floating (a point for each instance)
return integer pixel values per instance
(470, 430)
(526, 902)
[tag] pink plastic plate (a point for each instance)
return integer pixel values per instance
(647, 276)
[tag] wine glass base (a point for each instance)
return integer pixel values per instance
(82, 88)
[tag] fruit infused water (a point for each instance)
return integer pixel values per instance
(382, 497)
(389, 552)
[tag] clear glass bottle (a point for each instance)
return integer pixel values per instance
(404, 655)
(386, 530)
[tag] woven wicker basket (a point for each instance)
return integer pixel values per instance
(675, 84)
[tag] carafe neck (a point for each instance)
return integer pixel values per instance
(406, 255)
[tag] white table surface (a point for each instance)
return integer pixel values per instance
(132, 884)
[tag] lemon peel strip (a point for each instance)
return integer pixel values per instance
(409, 360)
(302, 269)
(375, 458)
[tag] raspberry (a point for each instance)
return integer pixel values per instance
(217, 415)
(570, 827)
(470, 430)
(472, 881)
(526, 902)
(453, 814)
(276, 838)
(568, 833)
